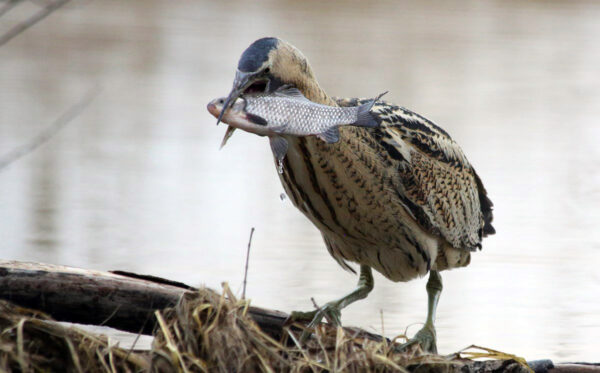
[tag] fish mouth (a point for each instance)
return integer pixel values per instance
(215, 107)
(237, 119)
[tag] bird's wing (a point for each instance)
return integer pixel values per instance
(434, 180)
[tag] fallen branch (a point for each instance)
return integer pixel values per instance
(120, 300)
(41, 14)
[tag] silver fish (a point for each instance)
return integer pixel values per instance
(287, 112)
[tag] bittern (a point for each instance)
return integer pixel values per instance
(400, 198)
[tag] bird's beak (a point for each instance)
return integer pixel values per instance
(242, 81)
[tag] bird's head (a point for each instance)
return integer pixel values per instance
(269, 63)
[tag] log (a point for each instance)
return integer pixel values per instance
(576, 368)
(121, 300)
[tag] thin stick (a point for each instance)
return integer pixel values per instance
(8, 6)
(50, 131)
(247, 260)
(41, 14)
(137, 337)
(314, 302)
(382, 325)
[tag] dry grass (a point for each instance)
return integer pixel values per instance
(31, 342)
(212, 332)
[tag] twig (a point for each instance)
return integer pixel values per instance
(50, 131)
(137, 337)
(382, 325)
(314, 302)
(247, 260)
(111, 315)
(41, 14)
(8, 6)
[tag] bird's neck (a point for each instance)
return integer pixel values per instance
(313, 91)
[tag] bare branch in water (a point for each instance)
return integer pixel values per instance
(8, 6)
(50, 131)
(247, 260)
(41, 14)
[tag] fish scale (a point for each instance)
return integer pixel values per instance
(299, 116)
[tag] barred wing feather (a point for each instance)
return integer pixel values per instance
(433, 178)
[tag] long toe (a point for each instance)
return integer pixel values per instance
(331, 312)
(424, 338)
(300, 316)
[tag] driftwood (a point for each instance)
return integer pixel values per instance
(127, 301)
(121, 300)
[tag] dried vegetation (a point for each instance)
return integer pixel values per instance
(212, 332)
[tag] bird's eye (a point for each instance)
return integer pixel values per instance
(267, 70)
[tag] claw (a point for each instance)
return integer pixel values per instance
(425, 338)
(330, 311)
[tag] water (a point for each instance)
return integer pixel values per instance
(137, 182)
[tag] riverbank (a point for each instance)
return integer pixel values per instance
(193, 330)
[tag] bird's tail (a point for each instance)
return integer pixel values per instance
(364, 118)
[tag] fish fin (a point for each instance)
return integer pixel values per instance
(256, 119)
(279, 146)
(227, 135)
(279, 129)
(364, 117)
(330, 136)
(290, 91)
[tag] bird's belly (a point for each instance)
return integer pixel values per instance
(346, 197)
(398, 260)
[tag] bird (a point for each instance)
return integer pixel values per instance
(400, 198)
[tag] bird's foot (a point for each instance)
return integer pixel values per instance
(330, 311)
(425, 338)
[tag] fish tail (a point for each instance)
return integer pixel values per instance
(364, 118)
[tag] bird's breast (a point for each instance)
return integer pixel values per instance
(346, 190)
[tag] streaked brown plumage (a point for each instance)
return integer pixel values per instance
(400, 198)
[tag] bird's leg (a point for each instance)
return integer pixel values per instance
(332, 310)
(426, 336)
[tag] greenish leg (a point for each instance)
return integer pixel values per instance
(426, 336)
(332, 310)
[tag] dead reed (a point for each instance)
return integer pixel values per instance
(211, 332)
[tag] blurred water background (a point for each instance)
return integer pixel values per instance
(137, 181)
